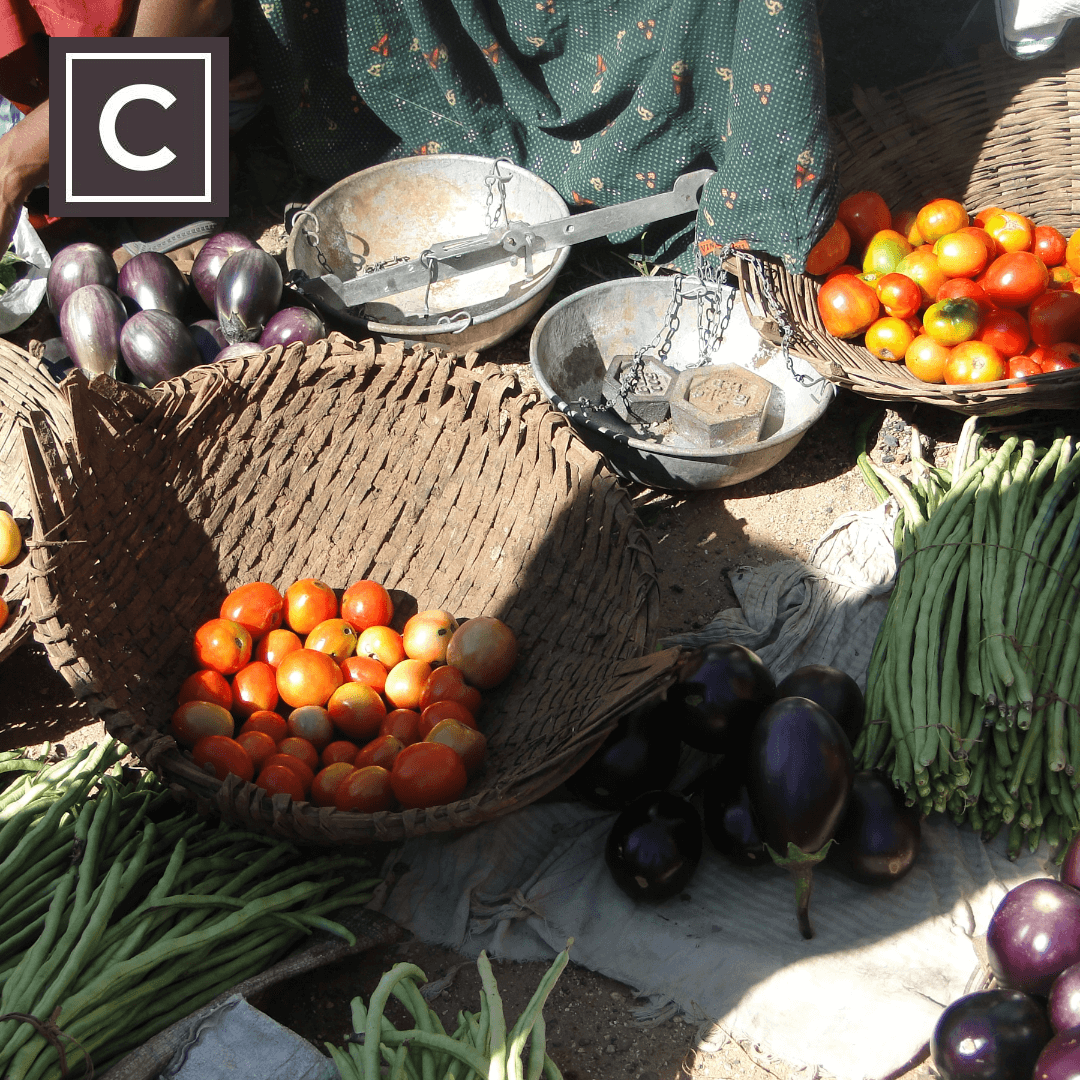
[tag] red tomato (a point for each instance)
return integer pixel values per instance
(254, 687)
(335, 637)
(426, 635)
(1062, 356)
(974, 362)
(300, 769)
(405, 683)
(311, 722)
(830, 251)
(280, 780)
(843, 268)
(367, 670)
(438, 711)
(484, 649)
(1006, 330)
(939, 217)
(962, 254)
(206, 685)
(382, 750)
(428, 774)
(303, 749)
(194, 719)
(863, 214)
(952, 321)
(403, 725)
(327, 781)
(260, 747)
(445, 683)
(224, 756)
(309, 602)
(899, 295)
(356, 710)
(1014, 279)
(223, 645)
(339, 750)
(366, 603)
(1019, 366)
(847, 306)
(257, 606)
(1054, 316)
(1049, 245)
(467, 742)
(308, 677)
(953, 288)
(272, 723)
(922, 267)
(365, 791)
(273, 648)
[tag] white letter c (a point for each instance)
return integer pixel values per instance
(107, 127)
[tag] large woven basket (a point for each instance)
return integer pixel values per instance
(998, 132)
(25, 387)
(442, 480)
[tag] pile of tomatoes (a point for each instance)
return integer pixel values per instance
(956, 299)
(321, 699)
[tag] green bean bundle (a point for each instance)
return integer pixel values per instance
(122, 912)
(480, 1048)
(973, 698)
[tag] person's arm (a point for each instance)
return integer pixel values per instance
(24, 163)
(168, 18)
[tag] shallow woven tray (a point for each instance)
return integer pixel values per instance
(25, 386)
(442, 480)
(994, 132)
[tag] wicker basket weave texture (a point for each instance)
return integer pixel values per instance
(995, 132)
(25, 387)
(443, 481)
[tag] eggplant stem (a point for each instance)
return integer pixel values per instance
(800, 864)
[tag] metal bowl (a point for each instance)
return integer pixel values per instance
(400, 208)
(575, 340)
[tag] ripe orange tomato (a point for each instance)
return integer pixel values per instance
(1049, 245)
(1072, 252)
(883, 251)
(224, 755)
(1006, 330)
(297, 766)
(381, 643)
(365, 669)
(863, 214)
(888, 338)
(280, 780)
(405, 683)
(987, 212)
(333, 636)
(830, 251)
(922, 267)
(311, 722)
(468, 743)
(327, 781)
(206, 684)
(1014, 279)
(403, 725)
(338, 750)
(367, 603)
(382, 750)
(259, 746)
(309, 602)
(926, 359)
(485, 651)
(271, 723)
(427, 634)
(1013, 232)
(273, 648)
(974, 362)
(438, 711)
(427, 774)
(308, 677)
(1061, 277)
(961, 254)
(223, 645)
(295, 746)
(195, 719)
(899, 295)
(356, 710)
(254, 689)
(257, 606)
(365, 791)
(939, 217)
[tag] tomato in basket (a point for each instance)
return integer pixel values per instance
(427, 774)
(1014, 279)
(356, 710)
(223, 645)
(974, 362)
(224, 755)
(256, 605)
(276, 645)
(308, 677)
(863, 214)
(309, 602)
(365, 791)
(367, 603)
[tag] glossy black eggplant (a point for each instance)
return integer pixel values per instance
(151, 281)
(834, 690)
(878, 839)
(799, 775)
(728, 817)
(721, 691)
(247, 294)
(654, 846)
(989, 1035)
(641, 754)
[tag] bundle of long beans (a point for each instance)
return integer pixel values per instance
(973, 689)
(481, 1047)
(122, 912)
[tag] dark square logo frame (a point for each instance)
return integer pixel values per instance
(139, 127)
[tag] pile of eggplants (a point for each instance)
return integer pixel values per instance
(1028, 1025)
(148, 322)
(780, 787)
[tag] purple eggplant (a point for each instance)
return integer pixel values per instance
(151, 281)
(834, 690)
(156, 346)
(77, 265)
(1034, 935)
(210, 259)
(721, 691)
(1063, 1005)
(90, 324)
(292, 324)
(241, 348)
(248, 292)
(727, 815)
(641, 754)
(799, 775)
(1070, 863)
(208, 336)
(1060, 1057)
(878, 838)
(989, 1035)
(654, 846)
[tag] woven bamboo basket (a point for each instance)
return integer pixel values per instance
(26, 387)
(438, 477)
(997, 132)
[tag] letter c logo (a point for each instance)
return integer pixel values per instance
(107, 127)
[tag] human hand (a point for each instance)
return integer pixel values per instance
(24, 163)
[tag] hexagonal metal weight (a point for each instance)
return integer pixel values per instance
(648, 402)
(720, 405)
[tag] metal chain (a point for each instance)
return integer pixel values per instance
(495, 179)
(311, 235)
